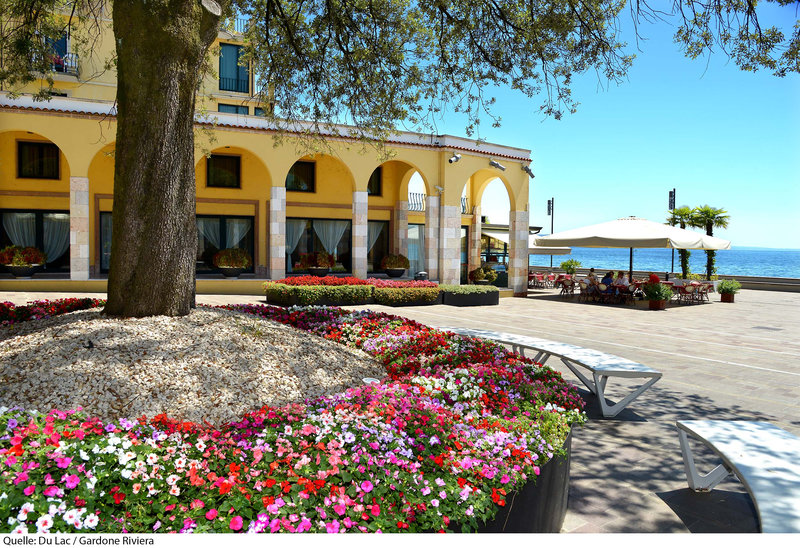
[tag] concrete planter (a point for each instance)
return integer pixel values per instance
(471, 299)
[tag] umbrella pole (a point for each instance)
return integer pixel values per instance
(630, 268)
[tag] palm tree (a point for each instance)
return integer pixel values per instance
(710, 218)
(683, 216)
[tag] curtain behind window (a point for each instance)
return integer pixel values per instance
(21, 228)
(236, 229)
(209, 229)
(56, 235)
(330, 233)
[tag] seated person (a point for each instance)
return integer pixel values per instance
(608, 279)
(621, 279)
(591, 281)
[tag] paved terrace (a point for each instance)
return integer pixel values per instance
(720, 361)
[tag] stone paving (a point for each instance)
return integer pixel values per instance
(721, 361)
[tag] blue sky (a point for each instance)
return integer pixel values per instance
(718, 135)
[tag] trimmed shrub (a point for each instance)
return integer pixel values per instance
(468, 289)
(390, 296)
(291, 295)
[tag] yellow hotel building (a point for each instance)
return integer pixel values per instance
(277, 202)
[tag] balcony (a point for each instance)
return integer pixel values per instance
(239, 85)
(65, 64)
(416, 201)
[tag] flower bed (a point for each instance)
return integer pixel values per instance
(37, 310)
(456, 427)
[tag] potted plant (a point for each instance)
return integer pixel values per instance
(317, 264)
(232, 261)
(570, 266)
(394, 265)
(22, 262)
(478, 277)
(727, 289)
(657, 294)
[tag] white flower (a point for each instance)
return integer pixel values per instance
(172, 479)
(21, 529)
(126, 473)
(200, 445)
(70, 515)
(175, 490)
(44, 523)
(151, 490)
(96, 449)
(84, 455)
(91, 521)
(114, 440)
(126, 444)
(152, 458)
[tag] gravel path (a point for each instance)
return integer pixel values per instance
(211, 365)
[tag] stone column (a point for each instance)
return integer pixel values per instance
(432, 237)
(277, 233)
(400, 240)
(475, 239)
(360, 238)
(518, 252)
(79, 228)
(450, 244)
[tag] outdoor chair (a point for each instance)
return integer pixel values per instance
(702, 293)
(567, 288)
(551, 279)
(686, 293)
(583, 294)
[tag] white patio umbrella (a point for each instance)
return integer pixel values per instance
(534, 249)
(633, 232)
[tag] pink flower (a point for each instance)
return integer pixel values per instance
(64, 462)
(505, 479)
(197, 503)
(72, 481)
(29, 490)
(51, 491)
(366, 486)
(22, 477)
(212, 514)
(332, 527)
(236, 523)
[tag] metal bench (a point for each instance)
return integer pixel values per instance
(602, 366)
(765, 458)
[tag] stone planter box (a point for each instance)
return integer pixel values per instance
(470, 299)
(541, 505)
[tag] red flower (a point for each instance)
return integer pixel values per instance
(118, 498)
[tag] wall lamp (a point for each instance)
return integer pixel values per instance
(454, 158)
(527, 169)
(497, 165)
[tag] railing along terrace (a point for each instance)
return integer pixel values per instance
(234, 84)
(416, 201)
(67, 64)
(464, 205)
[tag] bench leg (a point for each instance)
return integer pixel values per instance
(697, 481)
(597, 386)
(613, 410)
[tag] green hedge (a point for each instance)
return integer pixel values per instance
(290, 295)
(395, 296)
(468, 289)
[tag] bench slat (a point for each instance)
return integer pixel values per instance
(767, 461)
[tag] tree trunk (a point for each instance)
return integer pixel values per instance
(161, 45)
(710, 254)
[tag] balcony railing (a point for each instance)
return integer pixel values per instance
(464, 205)
(416, 201)
(234, 84)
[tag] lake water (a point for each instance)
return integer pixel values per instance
(782, 263)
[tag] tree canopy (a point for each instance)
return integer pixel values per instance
(380, 64)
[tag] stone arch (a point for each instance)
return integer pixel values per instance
(255, 175)
(481, 180)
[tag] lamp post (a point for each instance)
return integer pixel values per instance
(550, 206)
(671, 206)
